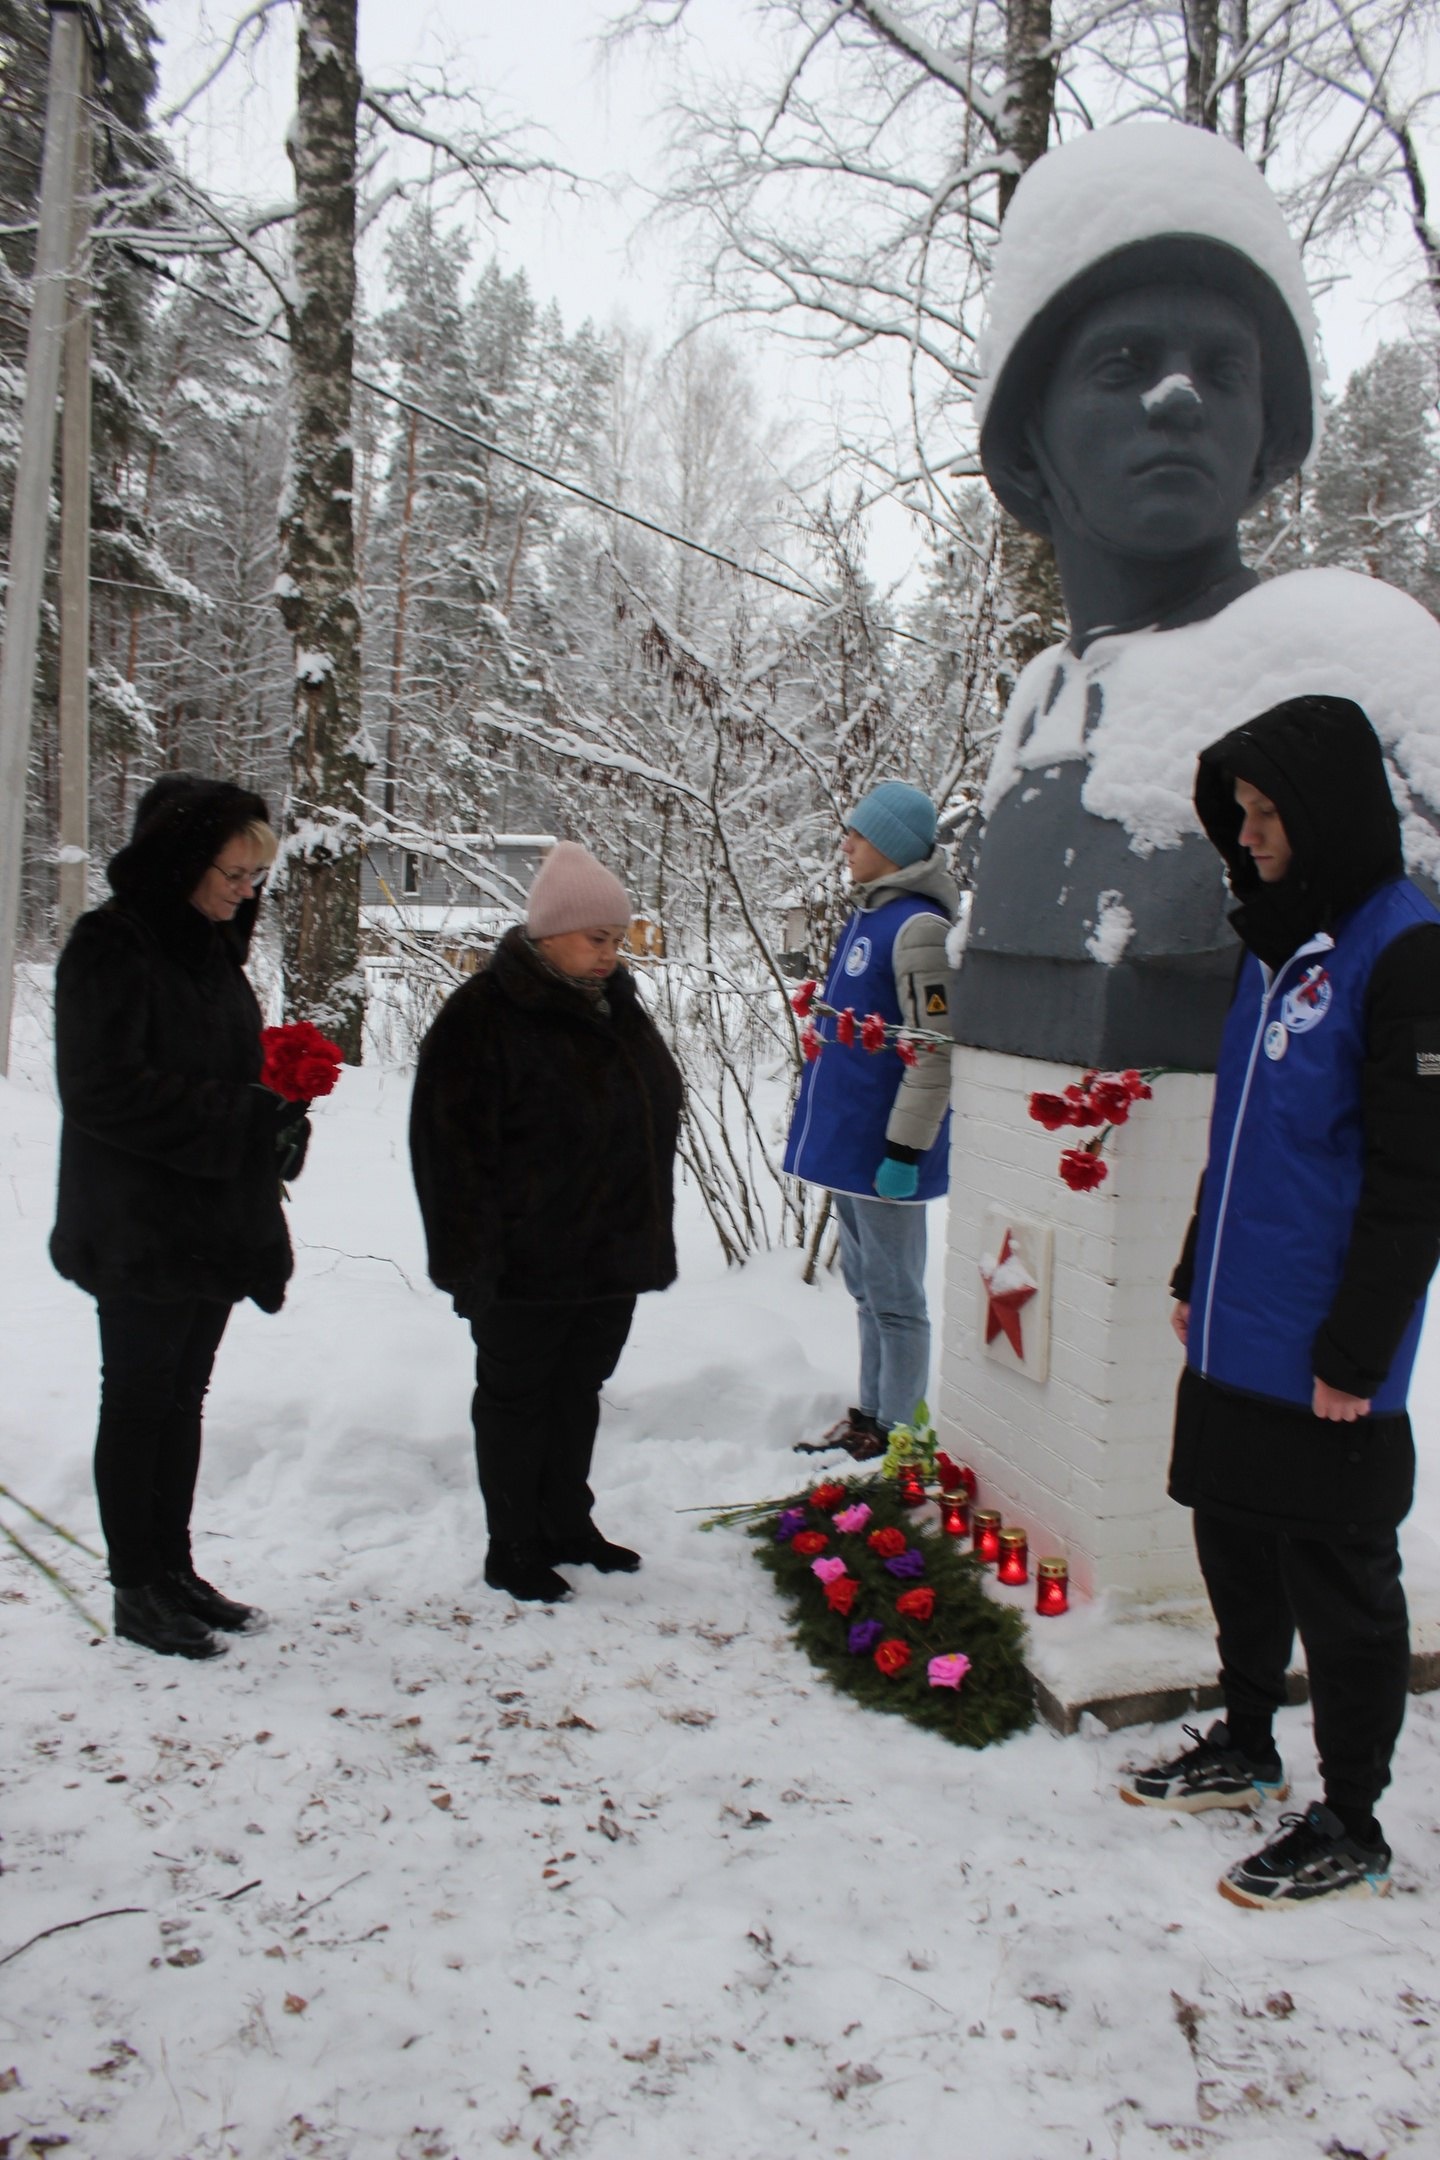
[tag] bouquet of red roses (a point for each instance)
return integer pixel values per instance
(300, 1062)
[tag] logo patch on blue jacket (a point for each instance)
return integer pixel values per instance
(858, 957)
(1427, 1049)
(1306, 1005)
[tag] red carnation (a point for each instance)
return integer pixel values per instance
(892, 1657)
(841, 1594)
(845, 1027)
(1082, 1109)
(827, 1497)
(810, 1041)
(803, 998)
(916, 1604)
(950, 1474)
(1051, 1111)
(1112, 1099)
(1081, 1170)
(886, 1543)
(808, 1542)
(872, 1032)
(905, 1050)
(299, 1062)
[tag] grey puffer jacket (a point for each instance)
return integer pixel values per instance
(921, 984)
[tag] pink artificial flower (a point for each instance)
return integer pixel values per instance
(853, 1518)
(828, 1570)
(948, 1671)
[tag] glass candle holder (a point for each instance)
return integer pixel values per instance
(955, 1514)
(910, 1486)
(1052, 1586)
(985, 1526)
(1014, 1557)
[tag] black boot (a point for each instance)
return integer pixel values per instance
(524, 1572)
(207, 1604)
(591, 1549)
(154, 1616)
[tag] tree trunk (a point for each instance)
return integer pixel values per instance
(318, 599)
(1031, 580)
(1202, 61)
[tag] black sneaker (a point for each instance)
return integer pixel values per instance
(1313, 1858)
(1211, 1773)
(208, 1604)
(154, 1617)
(594, 1550)
(857, 1431)
(525, 1573)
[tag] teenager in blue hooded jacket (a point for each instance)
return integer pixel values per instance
(872, 1130)
(1301, 1290)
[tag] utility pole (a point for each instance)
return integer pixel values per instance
(75, 539)
(31, 512)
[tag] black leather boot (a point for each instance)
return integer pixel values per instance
(595, 1550)
(154, 1616)
(207, 1604)
(524, 1572)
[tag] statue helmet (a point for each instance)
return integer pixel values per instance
(1147, 202)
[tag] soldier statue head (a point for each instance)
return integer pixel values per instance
(1150, 367)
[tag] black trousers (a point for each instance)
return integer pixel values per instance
(155, 1365)
(1346, 1599)
(539, 1370)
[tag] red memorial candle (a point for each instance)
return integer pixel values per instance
(955, 1514)
(911, 1486)
(1052, 1586)
(985, 1523)
(1014, 1557)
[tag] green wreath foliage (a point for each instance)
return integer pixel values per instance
(994, 1699)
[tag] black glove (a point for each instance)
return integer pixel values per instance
(292, 1140)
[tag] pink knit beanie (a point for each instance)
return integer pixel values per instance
(574, 892)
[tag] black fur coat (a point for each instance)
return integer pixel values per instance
(168, 1183)
(542, 1135)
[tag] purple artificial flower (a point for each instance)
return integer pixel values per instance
(907, 1564)
(791, 1520)
(863, 1636)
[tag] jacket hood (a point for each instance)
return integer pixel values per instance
(930, 879)
(1320, 762)
(181, 824)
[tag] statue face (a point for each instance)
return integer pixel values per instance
(1148, 436)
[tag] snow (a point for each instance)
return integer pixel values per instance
(1169, 386)
(1114, 928)
(423, 1873)
(1113, 186)
(313, 667)
(1168, 694)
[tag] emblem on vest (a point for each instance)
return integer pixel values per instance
(1306, 1005)
(858, 957)
(1427, 1049)
(1277, 1041)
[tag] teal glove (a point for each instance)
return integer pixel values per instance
(897, 1180)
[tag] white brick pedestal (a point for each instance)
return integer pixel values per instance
(1079, 1459)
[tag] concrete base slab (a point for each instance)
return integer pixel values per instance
(1128, 1663)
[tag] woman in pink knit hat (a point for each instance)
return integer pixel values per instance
(542, 1135)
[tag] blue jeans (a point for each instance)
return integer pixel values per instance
(882, 1252)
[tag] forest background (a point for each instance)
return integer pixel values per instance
(501, 650)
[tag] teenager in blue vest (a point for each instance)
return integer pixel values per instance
(868, 1127)
(1301, 1290)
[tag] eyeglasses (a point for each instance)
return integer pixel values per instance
(237, 880)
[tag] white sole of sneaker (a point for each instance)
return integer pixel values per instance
(1368, 1886)
(1199, 1803)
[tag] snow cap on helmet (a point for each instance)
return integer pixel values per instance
(1145, 203)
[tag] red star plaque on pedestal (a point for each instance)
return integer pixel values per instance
(1002, 1308)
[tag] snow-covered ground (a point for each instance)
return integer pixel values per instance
(423, 1874)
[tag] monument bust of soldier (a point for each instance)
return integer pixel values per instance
(1151, 372)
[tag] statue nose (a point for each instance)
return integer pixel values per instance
(1173, 401)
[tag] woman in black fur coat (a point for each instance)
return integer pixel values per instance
(543, 1134)
(169, 1203)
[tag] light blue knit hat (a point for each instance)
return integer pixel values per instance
(897, 819)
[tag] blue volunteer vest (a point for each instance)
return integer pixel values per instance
(837, 1131)
(1287, 1160)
